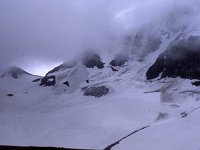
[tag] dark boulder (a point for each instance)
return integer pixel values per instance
(66, 83)
(48, 81)
(91, 60)
(10, 95)
(181, 59)
(96, 91)
(196, 83)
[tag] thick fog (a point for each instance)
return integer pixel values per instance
(37, 35)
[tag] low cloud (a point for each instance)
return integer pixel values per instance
(54, 31)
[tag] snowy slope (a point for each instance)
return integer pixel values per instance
(60, 114)
(74, 120)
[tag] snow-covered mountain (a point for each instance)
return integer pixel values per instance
(146, 100)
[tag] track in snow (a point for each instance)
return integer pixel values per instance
(109, 147)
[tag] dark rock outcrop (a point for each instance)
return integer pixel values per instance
(96, 91)
(48, 81)
(181, 59)
(91, 60)
(196, 83)
(10, 95)
(119, 60)
(66, 83)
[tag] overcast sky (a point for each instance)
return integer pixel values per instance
(39, 34)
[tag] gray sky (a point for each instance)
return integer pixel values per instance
(39, 34)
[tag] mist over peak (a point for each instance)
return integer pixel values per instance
(56, 31)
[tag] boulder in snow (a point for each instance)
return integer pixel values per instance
(96, 91)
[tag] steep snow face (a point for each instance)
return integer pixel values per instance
(66, 79)
(73, 80)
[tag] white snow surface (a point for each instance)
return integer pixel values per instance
(44, 116)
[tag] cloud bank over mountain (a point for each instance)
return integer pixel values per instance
(34, 33)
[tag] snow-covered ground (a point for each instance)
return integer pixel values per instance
(38, 116)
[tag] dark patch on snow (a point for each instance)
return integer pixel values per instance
(184, 114)
(96, 91)
(196, 83)
(109, 147)
(48, 81)
(113, 69)
(66, 83)
(91, 60)
(10, 95)
(36, 80)
(181, 59)
(87, 81)
(161, 116)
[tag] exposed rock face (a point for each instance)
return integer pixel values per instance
(119, 60)
(96, 91)
(91, 60)
(181, 59)
(48, 81)
(196, 83)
